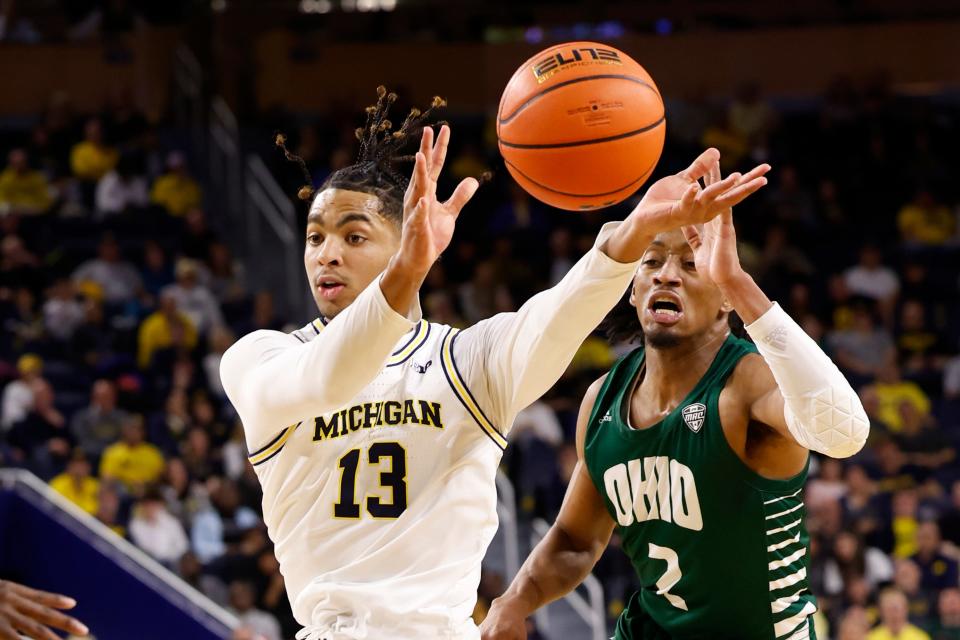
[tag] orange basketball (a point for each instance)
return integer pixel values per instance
(581, 126)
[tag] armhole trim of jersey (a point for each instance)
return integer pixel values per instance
(462, 392)
(272, 448)
(416, 341)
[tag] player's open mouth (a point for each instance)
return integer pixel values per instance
(665, 308)
(329, 289)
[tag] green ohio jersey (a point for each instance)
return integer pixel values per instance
(720, 551)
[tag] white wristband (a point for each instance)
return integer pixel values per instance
(821, 409)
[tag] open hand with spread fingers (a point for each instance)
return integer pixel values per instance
(714, 242)
(428, 223)
(679, 200)
(33, 613)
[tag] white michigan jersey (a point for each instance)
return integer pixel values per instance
(381, 504)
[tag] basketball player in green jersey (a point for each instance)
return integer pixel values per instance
(695, 447)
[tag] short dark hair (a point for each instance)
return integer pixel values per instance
(375, 170)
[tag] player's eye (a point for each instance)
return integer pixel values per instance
(690, 264)
(651, 262)
(355, 238)
(314, 239)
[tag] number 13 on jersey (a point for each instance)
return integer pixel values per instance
(391, 460)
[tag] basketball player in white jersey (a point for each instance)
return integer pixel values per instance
(375, 434)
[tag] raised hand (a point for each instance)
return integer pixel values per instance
(33, 612)
(714, 243)
(678, 200)
(428, 224)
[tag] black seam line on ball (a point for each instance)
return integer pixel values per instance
(559, 85)
(580, 143)
(581, 195)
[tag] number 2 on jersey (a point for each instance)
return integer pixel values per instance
(670, 577)
(394, 478)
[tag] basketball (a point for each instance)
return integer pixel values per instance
(581, 126)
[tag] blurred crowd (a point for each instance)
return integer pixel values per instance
(119, 294)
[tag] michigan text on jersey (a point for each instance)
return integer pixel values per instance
(376, 414)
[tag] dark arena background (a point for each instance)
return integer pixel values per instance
(139, 173)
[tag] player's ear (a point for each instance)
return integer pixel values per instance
(633, 295)
(726, 306)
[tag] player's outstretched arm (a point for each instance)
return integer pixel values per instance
(517, 357)
(34, 612)
(796, 388)
(565, 556)
(274, 380)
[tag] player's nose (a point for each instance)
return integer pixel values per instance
(329, 252)
(669, 272)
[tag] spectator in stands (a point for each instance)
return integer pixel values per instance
(193, 299)
(871, 278)
(243, 599)
(938, 571)
(165, 328)
(791, 202)
(854, 625)
(119, 280)
(227, 275)
(950, 517)
(157, 270)
(122, 189)
(220, 522)
(860, 508)
(18, 265)
(926, 447)
(918, 344)
(892, 391)
(18, 395)
(176, 191)
(263, 316)
(191, 571)
(851, 558)
(924, 222)
(864, 348)
(100, 423)
(77, 485)
(132, 461)
(828, 485)
(63, 311)
(41, 441)
(905, 523)
(197, 235)
(167, 428)
(947, 626)
(92, 159)
(108, 509)
(154, 530)
(908, 579)
(951, 378)
(219, 341)
(23, 191)
(894, 624)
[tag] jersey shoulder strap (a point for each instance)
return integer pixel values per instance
(621, 374)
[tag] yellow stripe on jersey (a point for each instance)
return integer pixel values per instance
(317, 326)
(403, 353)
(273, 447)
(462, 392)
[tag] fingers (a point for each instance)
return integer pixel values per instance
(426, 141)
(439, 154)
(713, 176)
(52, 618)
(462, 194)
(718, 188)
(42, 597)
(6, 631)
(756, 172)
(740, 193)
(31, 628)
(701, 166)
(692, 236)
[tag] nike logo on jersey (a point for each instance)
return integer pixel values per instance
(653, 488)
(693, 415)
(421, 368)
(376, 414)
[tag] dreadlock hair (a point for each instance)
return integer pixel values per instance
(375, 170)
(623, 325)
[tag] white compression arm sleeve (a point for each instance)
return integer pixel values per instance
(822, 411)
